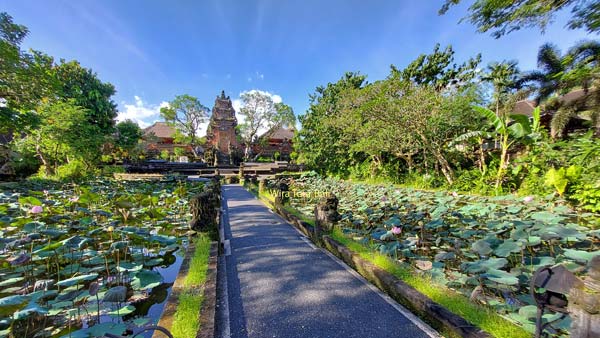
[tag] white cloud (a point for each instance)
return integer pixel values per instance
(260, 75)
(140, 112)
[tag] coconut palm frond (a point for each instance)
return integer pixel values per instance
(560, 120)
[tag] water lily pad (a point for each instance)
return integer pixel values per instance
(501, 277)
(122, 311)
(77, 280)
(482, 247)
(507, 247)
(10, 304)
(115, 294)
(146, 279)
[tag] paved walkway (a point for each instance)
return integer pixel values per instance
(279, 285)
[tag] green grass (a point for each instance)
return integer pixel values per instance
(186, 323)
(481, 316)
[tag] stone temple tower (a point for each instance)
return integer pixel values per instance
(221, 135)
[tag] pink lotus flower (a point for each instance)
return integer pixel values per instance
(74, 199)
(528, 199)
(455, 194)
(36, 209)
(46, 192)
(396, 230)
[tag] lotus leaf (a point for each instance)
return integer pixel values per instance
(146, 279)
(115, 294)
(507, 247)
(442, 256)
(122, 311)
(10, 304)
(580, 256)
(501, 277)
(482, 247)
(484, 265)
(77, 280)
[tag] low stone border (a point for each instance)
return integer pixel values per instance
(432, 312)
(207, 310)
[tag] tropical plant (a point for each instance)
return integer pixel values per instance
(508, 129)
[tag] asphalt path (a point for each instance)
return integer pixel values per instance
(275, 283)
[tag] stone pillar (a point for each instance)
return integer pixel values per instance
(204, 213)
(283, 191)
(262, 185)
(584, 304)
(326, 214)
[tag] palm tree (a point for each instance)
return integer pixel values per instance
(548, 78)
(504, 76)
(559, 74)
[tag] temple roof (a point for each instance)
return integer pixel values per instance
(160, 129)
(280, 133)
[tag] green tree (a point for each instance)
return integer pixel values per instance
(186, 114)
(86, 90)
(504, 77)
(318, 142)
(128, 135)
(64, 136)
(559, 74)
(438, 69)
(25, 78)
(260, 113)
(505, 16)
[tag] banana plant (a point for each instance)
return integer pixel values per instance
(509, 129)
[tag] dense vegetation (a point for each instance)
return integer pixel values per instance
(59, 115)
(484, 248)
(436, 124)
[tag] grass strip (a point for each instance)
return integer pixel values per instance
(187, 317)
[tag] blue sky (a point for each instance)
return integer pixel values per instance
(153, 50)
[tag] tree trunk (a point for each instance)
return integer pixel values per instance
(440, 159)
(503, 160)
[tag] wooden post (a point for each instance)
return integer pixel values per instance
(584, 304)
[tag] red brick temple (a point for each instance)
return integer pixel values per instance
(221, 135)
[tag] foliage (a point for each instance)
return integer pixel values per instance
(187, 115)
(260, 112)
(438, 70)
(65, 135)
(83, 88)
(493, 243)
(503, 17)
(80, 261)
(318, 143)
(128, 135)
(25, 77)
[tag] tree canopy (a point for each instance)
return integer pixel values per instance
(505, 16)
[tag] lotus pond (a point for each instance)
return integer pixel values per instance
(486, 248)
(85, 260)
